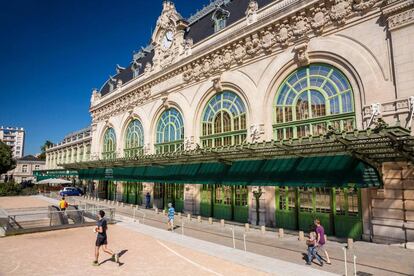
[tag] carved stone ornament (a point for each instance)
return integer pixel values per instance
(319, 19)
(252, 44)
(340, 10)
(256, 132)
(301, 54)
(239, 52)
(227, 57)
(188, 44)
(197, 71)
(165, 102)
(284, 34)
(95, 96)
(188, 73)
(148, 68)
(251, 12)
(189, 143)
(217, 85)
(216, 63)
(206, 67)
(363, 5)
(268, 40)
(301, 26)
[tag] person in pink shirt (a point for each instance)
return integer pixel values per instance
(320, 239)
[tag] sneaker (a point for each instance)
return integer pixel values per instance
(308, 263)
(321, 263)
(116, 258)
(95, 263)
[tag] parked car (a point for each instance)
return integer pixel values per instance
(70, 191)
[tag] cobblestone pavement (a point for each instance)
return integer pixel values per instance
(372, 258)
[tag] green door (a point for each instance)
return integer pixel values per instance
(347, 213)
(206, 199)
(223, 202)
(138, 193)
(241, 207)
(179, 197)
(286, 208)
(132, 193)
(315, 203)
(158, 200)
(111, 190)
(169, 194)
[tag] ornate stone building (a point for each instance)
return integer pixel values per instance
(75, 147)
(268, 112)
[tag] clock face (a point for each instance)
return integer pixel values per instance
(167, 40)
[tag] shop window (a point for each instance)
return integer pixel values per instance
(306, 202)
(158, 191)
(287, 198)
(219, 194)
(323, 200)
(241, 195)
(179, 191)
(353, 203)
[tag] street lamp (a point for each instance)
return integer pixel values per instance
(257, 193)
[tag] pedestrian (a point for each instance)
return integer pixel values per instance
(320, 240)
(312, 249)
(102, 239)
(171, 213)
(63, 204)
(147, 200)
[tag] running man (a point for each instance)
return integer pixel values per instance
(101, 239)
(171, 213)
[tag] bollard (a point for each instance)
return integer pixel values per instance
(246, 227)
(234, 240)
(179, 215)
(122, 204)
(244, 242)
(222, 222)
(156, 211)
(350, 243)
(189, 216)
(355, 271)
(163, 212)
(210, 220)
(346, 268)
(263, 229)
(118, 203)
(182, 228)
(281, 233)
(301, 236)
(199, 219)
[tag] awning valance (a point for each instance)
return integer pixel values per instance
(320, 171)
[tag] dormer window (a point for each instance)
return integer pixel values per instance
(136, 66)
(220, 19)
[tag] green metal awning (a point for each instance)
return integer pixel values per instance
(321, 171)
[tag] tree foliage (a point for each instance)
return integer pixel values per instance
(7, 162)
(43, 148)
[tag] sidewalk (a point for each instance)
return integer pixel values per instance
(374, 259)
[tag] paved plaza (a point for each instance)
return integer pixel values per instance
(204, 249)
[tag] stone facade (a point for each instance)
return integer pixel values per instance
(369, 41)
(24, 169)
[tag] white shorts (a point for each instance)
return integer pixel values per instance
(171, 221)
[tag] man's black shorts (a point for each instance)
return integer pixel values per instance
(100, 240)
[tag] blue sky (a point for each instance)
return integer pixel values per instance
(53, 52)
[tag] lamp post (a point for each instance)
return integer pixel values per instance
(257, 193)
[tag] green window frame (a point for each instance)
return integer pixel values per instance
(170, 132)
(287, 198)
(109, 144)
(223, 121)
(134, 139)
(347, 201)
(310, 99)
(241, 195)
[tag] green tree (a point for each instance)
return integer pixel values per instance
(7, 162)
(43, 148)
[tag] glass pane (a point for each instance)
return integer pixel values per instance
(323, 200)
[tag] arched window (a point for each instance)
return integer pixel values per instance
(312, 98)
(109, 144)
(134, 139)
(224, 121)
(170, 131)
